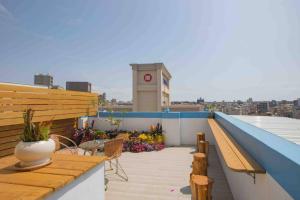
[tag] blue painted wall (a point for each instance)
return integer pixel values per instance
(168, 115)
(280, 158)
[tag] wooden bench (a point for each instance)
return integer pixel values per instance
(43, 182)
(234, 156)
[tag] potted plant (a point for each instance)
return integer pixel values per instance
(114, 123)
(35, 147)
(99, 134)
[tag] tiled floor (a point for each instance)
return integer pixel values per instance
(163, 175)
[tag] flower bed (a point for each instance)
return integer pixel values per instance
(134, 141)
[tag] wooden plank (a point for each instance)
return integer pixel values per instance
(244, 157)
(10, 133)
(43, 107)
(5, 122)
(17, 192)
(71, 165)
(35, 179)
(234, 156)
(69, 172)
(45, 101)
(62, 129)
(9, 139)
(8, 145)
(30, 95)
(228, 155)
(21, 88)
(93, 159)
(7, 152)
(8, 161)
(11, 127)
(8, 115)
(63, 125)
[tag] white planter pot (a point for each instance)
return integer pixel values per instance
(34, 153)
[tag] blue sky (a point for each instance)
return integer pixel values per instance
(219, 50)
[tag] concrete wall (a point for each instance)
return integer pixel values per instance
(179, 128)
(190, 126)
(88, 186)
(178, 131)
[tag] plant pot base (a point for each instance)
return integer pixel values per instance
(21, 166)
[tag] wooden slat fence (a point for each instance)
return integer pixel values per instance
(49, 104)
(10, 135)
(61, 106)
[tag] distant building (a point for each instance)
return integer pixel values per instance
(200, 100)
(150, 87)
(297, 102)
(273, 103)
(296, 112)
(104, 96)
(250, 100)
(114, 101)
(263, 107)
(43, 80)
(79, 86)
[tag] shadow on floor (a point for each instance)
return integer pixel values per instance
(192, 152)
(186, 190)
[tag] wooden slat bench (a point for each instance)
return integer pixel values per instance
(234, 156)
(41, 183)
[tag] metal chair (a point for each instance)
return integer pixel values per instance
(67, 149)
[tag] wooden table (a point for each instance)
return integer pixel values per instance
(41, 183)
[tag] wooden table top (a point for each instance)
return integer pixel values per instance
(39, 183)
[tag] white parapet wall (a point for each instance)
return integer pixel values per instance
(279, 157)
(190, 126)
(178, 128)
(244, 187)
(88, 186)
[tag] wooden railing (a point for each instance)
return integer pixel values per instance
(61, 106)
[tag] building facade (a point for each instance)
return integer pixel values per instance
(151, 87)
(263, 107)
(43, 80)
(79, 86)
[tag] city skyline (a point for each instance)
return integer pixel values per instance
(219, 51)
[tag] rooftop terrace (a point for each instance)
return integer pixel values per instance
(159, 174)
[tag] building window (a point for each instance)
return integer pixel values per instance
(166, 82)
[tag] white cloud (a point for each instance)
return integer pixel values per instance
(4, 12)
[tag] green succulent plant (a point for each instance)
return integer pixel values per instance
(34, 132)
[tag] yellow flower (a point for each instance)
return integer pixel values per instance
(159, 138)
(143, 137)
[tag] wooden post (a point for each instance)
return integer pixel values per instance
(200, 137)
(201, 187)
(203, 147)
(199, 164)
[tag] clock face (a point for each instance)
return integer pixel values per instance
(147, 77)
